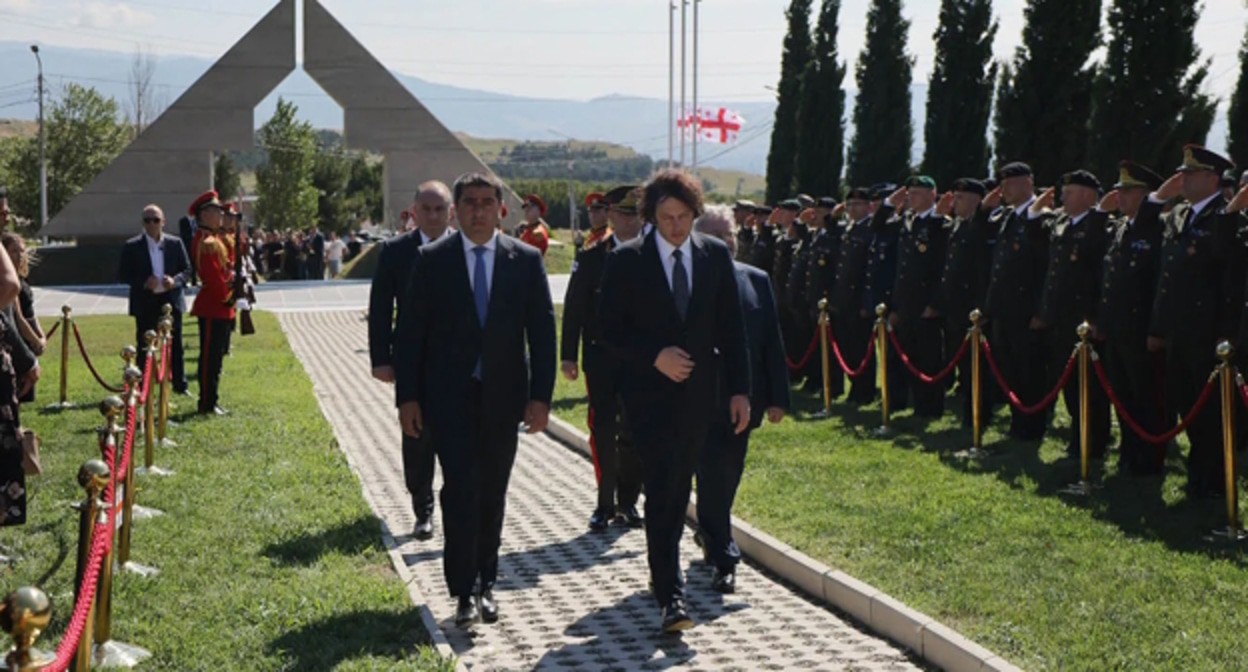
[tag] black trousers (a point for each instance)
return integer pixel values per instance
(1137, 377)
(1060, 347)
(853, 333)
(145, 323)
(616, 464)
(418, 465)
(803, 332)
(923, 341)
(214, 342)
(669, 456)
(1021, 353)
(719, 474)
(1188, 366)
(476, 453)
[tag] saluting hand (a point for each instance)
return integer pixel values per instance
(992, 200)
(1240, 201)
(674, 363)
(1045, 201)
(569, 370)
(1171, 188)
(1109, 203)
(897, 198)
(739, 407)
(807, 216)
(838, 211)
(411, 419)
(945, 207)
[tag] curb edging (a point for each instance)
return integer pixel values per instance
(930, 639)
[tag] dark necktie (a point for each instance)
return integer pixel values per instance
(480, 295)
(680, 284)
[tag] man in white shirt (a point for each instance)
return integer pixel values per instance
(156, 267)
(334, 251)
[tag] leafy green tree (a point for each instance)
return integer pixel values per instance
(363, 195)
(84, 135)
(883, 131)
(1044, 96)
(781, 158)
(287, 198)
(1147, 97)
(959, 94)
(821, 118)
(226, 179)
(330, 174)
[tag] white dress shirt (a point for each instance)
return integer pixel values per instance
(471, 258)
(425, 240)
(1196, 208)
(669, 262)
(156, 252)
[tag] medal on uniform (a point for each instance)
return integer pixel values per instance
(922, 248)
(823, 262)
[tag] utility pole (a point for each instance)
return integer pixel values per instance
(43, 147)
(671, 82)
(697, 113)
(684, 11)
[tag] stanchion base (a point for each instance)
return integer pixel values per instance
(882, 432)
(60, 406)
(822, 414)
(973, 453)
(145, 513)
(167, 443)
(118, 654)
(1232, 534)
(140, 570)
(1080, 489)
(153, 471)
(39, 659)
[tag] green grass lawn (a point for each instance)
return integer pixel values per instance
(559, 258)
(270, 558)
(1123, 581)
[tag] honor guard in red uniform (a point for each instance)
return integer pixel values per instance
(214, 305)
(533, 229)
(599, 222)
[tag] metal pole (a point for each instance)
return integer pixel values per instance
(671, 83)
(1085, 433)
(977, 428)
(1227, 372)
(824, 337)
(697, 113)
(881, 354)
(43, 147)
(684, 11)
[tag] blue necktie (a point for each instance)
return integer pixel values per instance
(480, 295)
(680, 283)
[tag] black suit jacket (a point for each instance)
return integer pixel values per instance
(440, 341)
(769, 375)
(639, 319)
(1019, 263)
(920, 262)
(136, 267)
(394, 268)
(580, 306)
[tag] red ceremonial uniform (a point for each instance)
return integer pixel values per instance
(536, 235)
(213, 258)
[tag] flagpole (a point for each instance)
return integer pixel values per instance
(697, 113)
(684, 11)
(671, 82)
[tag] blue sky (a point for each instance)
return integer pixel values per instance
(576, 49)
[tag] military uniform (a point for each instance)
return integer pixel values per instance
(763, 250)
(790, 322)
(214, 305)
(804, 321)
(745, 234)
(963, 285)
(825, 248)
(1198, 303)
(1019, 262)
(851, 324)
(881, 277)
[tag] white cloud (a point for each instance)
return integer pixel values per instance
(18, 6)
(109, 15)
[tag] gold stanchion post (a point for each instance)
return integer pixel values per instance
(24, 614)
(825, 333)
(110, 408)
(1084, 487)
(976, 335)
(93, 476)
(66, 324)
(166, 335)
(149, 420)
(881, 356)
(1226, 380)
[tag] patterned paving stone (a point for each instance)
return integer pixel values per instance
(570, 599)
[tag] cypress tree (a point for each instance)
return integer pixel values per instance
(959, 95)
(883, 131)
(781, 159)
(1147, 99)
(1237, 115)
(821, 118)
(1044, 97)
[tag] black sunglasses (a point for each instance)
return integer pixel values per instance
(152, 220)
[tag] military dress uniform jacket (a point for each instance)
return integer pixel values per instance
(763, 252)
(920, 261)
(1200, 292)
(825, 248)
(795, 286)
(1019, 263)
(1129, 276)
(214, 264)
(581, 320)
(786, 248)
(1072, 282)
(851, 268)
(745, 243)
(968, 261)
(881, 259)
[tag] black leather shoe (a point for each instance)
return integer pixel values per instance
(214, 410)
(466, 613)
(423, 530)
(724, 581)
(676, 618)
(599, 521)
(628, 516)
(489, 608)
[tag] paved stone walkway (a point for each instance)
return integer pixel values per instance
(570, 599)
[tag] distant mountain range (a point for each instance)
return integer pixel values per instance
(635, 122)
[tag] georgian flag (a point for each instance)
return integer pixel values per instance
(718, 125)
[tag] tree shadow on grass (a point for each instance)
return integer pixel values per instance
(326, 644)
(351, 538)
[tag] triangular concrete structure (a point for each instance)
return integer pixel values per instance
(170, 163)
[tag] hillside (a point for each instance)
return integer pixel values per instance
(17, 128)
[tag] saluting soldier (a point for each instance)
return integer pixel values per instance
(1078, 238)
(743, 216)
(1198, 302)
(914, 309)
(825, 247)
(214, 305)
(1019, 261)
(964, 281)
(882, 276)
(1128, 287)
(763, 252)
(804, 319)
(616, 464)
(852, 322)
(792, 233)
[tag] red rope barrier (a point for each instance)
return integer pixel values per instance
(840, 359)
(1145, 435)
(55, 325)
(923, 377)
(82, 349)
(1243, 394)
(164, 365)
(1013, 398)
(810, 351)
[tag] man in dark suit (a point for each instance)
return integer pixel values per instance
(723, 457)
(316, 254)
(157, 268)
(671, 314)
(473, 360)
(394, 266)
(616, 464)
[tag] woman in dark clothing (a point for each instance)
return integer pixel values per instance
(18, 372)
(24, 319)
